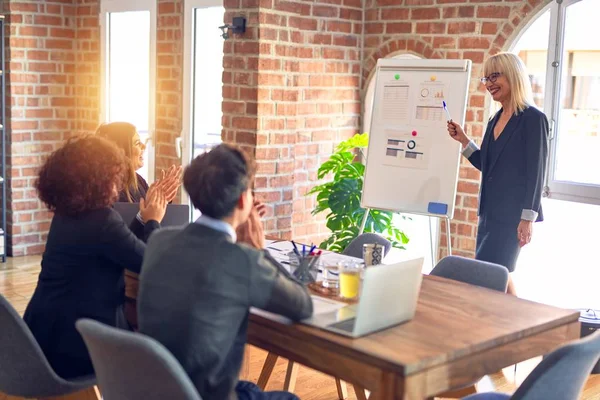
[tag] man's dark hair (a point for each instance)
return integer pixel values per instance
(216, 180)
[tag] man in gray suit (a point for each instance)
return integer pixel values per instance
(197, 285)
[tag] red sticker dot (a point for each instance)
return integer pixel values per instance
(414, 133)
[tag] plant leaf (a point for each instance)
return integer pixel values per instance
(345, 196)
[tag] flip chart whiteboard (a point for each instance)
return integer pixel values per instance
(412, 163)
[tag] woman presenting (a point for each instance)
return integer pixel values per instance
(512, 160)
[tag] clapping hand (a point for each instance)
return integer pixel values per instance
(170, 182)
(154, 206)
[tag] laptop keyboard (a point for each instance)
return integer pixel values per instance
(347, 325)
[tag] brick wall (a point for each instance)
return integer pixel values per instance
(41, 114)
(169, 85)
(450, 29)
(87, 77)
(309, 100)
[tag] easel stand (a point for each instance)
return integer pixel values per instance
(433, 256)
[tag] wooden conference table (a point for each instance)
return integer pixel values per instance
(459, 334)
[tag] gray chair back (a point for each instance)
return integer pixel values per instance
(23, 362)
(355, 248)
(562, 374)
(474, 272)
(132, 366)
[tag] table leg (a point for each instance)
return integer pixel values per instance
(290, 377)
(267, 369)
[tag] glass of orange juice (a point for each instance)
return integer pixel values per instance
(350, 277)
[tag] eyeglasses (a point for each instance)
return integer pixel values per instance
(491, 78)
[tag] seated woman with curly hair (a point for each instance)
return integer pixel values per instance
(88, 248)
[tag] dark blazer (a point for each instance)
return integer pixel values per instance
(514, 180)
(81, 277)
(136, 226)
(139, 194)
(196, 289)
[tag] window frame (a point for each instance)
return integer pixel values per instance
(554, 188)
(185, 141)
(115, 6)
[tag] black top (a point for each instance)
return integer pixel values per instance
(136, 226)
(513, 167)
(137, 195)
(81, 277)
(495, 145)
(196, 289)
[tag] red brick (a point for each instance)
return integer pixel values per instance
(475, 56)
(398, 27)
(462, 27)
(489, 28)
(373, 28)
(399, 14)
(425, 13)
(62, 33)
(33, 31)
(466, 12)
(449, 12)
(444, 42)
(498, 12)
(26, 43)
(430, 27)
(325, 11)
(47, 20)
(474, 43)
(305, 24)
(338, 26)
(345, 40)
(294, 7)
(58, 44)
(23, 6)
(349, 14)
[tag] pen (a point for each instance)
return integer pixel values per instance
(313, 247)
(295, 249)
(447, 112)
(303, 250)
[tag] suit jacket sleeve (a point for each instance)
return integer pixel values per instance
(120, 244)
(274, 289)
(473, 154)
(143, 231)
(536, 149)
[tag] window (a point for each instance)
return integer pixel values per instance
(423, 231)
(569, 93)
(128, 31)
(203, 78)
(564, 70)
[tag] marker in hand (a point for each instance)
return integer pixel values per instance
(449, 118)
(447, 112)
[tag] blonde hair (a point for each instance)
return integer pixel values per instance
(122, 133)
(512, 67)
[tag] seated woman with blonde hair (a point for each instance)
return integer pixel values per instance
(127, 138)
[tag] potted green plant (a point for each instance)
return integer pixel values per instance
(341, 198)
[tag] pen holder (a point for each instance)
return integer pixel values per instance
(304, 268)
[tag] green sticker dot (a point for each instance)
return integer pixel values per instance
(397, 76)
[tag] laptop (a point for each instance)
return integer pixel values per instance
(389, 297)
(176, 214)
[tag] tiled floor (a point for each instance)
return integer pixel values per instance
(18, 278)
